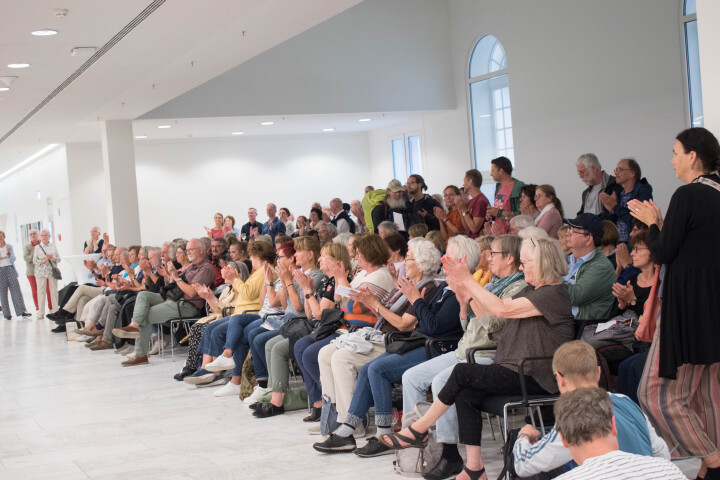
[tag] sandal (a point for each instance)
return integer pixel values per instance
(473, 474)
(419, 440)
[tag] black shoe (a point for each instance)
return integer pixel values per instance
(269, 410)
(60, 314)
(59, 329)
(336, 444)
(444, 469)
(314, 415)
(26, 315)
(374, 448)
(256, 406)
(186, 371)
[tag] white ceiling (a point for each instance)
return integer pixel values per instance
(181, 45)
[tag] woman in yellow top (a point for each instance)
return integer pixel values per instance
(482, 274)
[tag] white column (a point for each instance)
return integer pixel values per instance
(118, 151)
(708, 18)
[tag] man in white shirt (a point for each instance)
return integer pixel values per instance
(585, 421)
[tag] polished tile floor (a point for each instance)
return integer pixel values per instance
(69, 413)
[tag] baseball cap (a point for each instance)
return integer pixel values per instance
(589, 222)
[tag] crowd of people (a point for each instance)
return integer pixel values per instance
(349, 295)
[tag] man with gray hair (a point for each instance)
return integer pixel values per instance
(340, 217)
(597, 181)
(153, 308)
(586, 424)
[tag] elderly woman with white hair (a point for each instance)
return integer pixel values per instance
(45, 257)
(95, 244)
(539, 320)
(425, 317)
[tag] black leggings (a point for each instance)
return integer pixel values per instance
(467, 387)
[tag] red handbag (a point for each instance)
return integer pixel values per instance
(648, 320)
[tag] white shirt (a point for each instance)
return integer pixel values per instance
(624, 466)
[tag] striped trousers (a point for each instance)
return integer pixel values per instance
(684, 411)
(9, 282)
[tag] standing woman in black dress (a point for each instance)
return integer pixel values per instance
(680, 387)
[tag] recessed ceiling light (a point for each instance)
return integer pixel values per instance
(164, 126)
(267, 123)
(328, 129)
(238, 133)
(364, 120)
(18, 65)
(139, 137)
(45, 32)
(4, 89)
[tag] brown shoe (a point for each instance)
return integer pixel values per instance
(136, 360)
(93, 342)
(93, 331)
(101, 345)
(126, 332)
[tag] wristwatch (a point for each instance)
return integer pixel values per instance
(307, 296)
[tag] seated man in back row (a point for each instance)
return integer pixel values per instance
(589, 430)
(153, 308)
(591, 275)
(575, 366)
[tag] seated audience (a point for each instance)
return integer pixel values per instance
(587, 424)
(419, 230)
(564, 238)
(610, 241)
(95, 244)
(438, 240)
(481, 330)
(387, 228)
(152, 308)
(301, 226)
(591, 276)
(538, 321)
(326, 232)
(517, 223)
(575, 366)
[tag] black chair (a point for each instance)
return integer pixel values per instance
(500, 405)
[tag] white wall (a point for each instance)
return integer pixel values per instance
(604, 77)
(708, 15)
(182, 184)
(18, 202)
(87, 185)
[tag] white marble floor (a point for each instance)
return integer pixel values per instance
(69, 413)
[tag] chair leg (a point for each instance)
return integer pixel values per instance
(492, 430)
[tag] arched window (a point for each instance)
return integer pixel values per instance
(489, 103)
(692, 64)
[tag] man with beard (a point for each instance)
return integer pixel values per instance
(597, 180)
(395, 202)
(422, 203)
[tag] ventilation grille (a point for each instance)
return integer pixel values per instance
(90, 61)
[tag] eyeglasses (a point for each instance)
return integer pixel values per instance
(496, 253)
(581, 232)
(620, 169)
(558, 373)
(539, 195)
(639, 248)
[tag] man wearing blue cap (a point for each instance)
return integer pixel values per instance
(591, 274)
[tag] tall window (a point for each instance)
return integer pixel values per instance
(407, 155)
(692, 61)
(490, 103)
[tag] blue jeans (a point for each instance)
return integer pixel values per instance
(206, 343)
(374, 385)
(306, 356)
(257, 338)
(232, 336)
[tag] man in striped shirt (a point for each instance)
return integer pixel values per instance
(575, 366)
(585, 421)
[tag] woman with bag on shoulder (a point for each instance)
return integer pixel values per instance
(46, 257)
(9, 281)
(680, 386)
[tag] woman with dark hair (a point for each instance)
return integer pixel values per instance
(229, 226)
(679, 389)
(398, 249)
(551, 211)
(527, 200)
(450, 221)
(315, 217)
(287, 218)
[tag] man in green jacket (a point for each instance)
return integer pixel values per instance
(591, 275)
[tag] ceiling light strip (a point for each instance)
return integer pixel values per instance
(90, 61)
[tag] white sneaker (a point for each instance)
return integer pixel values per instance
(229, 390)
(155, 349)
(220, 364)
(255, 396)
(82, 338)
